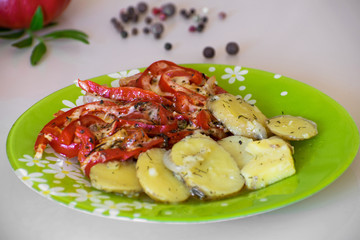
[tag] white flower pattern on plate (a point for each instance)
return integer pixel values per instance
(31, 161)
(247, 98)
(83, 195)
(78, 102)
(234, 74)
(46, 191)
(83, 182)
(62, 169)
(29, 178)
(115, 208)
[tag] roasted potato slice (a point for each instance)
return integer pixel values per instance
(272, 162)
(292, 127)
(236, 145)
(157, 181)
(206, 167)
(238, 116)
(115, 176)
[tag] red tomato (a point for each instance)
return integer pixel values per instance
(18, 13)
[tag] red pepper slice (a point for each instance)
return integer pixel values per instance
(68, 133)
(87, 145)
(176, 136)
(88, 157)
(167, 85)
(150, 111)
(122, 93)
(51, 136)
(156, 68)
(159, 67)
(202, 120)
(63, 119)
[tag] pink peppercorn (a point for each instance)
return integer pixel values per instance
(192, 28)
(156, 11)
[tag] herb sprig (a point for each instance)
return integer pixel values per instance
(29, 36)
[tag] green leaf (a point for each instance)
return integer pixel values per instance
(12, 34)
(37, 20)
(27, 42)
(73, 34)
(37, 53)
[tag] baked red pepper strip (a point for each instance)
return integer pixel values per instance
(167, 85)
(122, 93)
(87, 145)
(68, 133)
(62, 120)
(52, 136)
(159, 67)
(202, 119)
(88, 157)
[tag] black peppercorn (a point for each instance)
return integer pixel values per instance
(142, 7)
(209, 52)
(134, 31)
(124, 34)
(117, 24)
(146, 30)
(200, 27)
(148, 20)
(124, 16)
(169, 9)
(157, 28)
(168, 46)
(232, 48)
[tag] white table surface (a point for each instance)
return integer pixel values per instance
(315, 42)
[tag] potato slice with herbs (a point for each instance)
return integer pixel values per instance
(292, 128)
(236, 145)
(115, 176)
(158, 182)
(206, 167)
(238, 116)
(272, 162)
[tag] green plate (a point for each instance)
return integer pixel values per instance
(319, 161)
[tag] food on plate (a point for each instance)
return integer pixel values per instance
(115, 176)
(236, 146)
(157, 180)
(238, 116)
(292, 127)
(272, 162)
(206, 167)
(172, 133)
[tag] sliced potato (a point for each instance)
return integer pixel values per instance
(115, 176)
(157, 181)
(238, 116)
(292, 128)
(236, 145)
(272, 162)
(206, 167)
